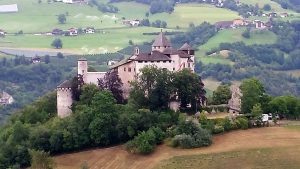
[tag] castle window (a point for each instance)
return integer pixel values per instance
(183, 65)
(169, 61)
(189, 65)
(152, 61)
(146, 61)
(173, 69)
(140, 61)
(129, 69)
(124, 69)
(158, 61)
(164, 61)
(133, 69)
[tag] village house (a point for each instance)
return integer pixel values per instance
(13, 8)
(6, 99)
(2, 33)
(112, 62)
(259, 24)
(284, 15)
(72, 32)
(132, 23)
(162, 55)
(57, 31)
(89, 30)
(224, 25)
(238, 23)
(35, 60)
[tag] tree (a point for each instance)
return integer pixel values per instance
(252, 91)
(62, 18)
(246, 33)
(267, 7)
(41, 160)
(103, 126)
(113, 83)
(221, 95)
(47, 59)
(57, 43)
(39, 1)
(189, 93)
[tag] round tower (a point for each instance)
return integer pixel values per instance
(64, 99)
(83, 68)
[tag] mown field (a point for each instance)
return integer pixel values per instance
(274, 147)
(35, 18)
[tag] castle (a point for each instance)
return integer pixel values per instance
(162, 55)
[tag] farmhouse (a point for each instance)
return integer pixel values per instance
(6, 99)
(35, 60)
(57, 31)
(162, 55)
(284, 15)
(134, 22)
(72, 32)
(238, 22)
(2, 33)
(89, 30)
(224, 25)
(9, 8)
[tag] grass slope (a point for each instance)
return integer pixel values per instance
(109, 41)
(275, 6)
(263, 158)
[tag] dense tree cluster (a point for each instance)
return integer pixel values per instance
(105, 8)
(289, 4)
(196, 35)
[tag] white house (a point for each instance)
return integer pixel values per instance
(6, 99)
(73, 32)
(89, 30)
(68, 1)
(9, 8)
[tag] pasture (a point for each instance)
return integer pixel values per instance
(235, 35)
(275, 147)
(274, 5)
(104, 42)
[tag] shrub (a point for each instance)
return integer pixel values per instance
(183, 141)
(227, 124)
(143, 143)
(202, 138)
(218, 129)
(242, 123)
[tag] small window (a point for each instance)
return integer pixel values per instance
(124, 69)
(146, 61)
(133, 69)
(140, 61)
(173, 69)
(158, 61)
(129, 69)
(183, 65)
(152, 61)
(189, 65)
(164, 61)
(169, 61)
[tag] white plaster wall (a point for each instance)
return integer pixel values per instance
(159, 64)
(92, 77)
(64, 102)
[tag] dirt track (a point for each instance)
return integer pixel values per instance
(118, 158)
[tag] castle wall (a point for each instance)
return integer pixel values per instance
(127, 73)
(160, 64)
(64, 102)
(92, 77)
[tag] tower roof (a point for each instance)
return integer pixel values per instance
(161, 40)
(186, 46)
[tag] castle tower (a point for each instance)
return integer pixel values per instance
(161, 43)
(64, 99)
(83, 68)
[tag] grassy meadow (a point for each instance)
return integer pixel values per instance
(35, 18)
(235, 35)
(274, 5)
(263, 158)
